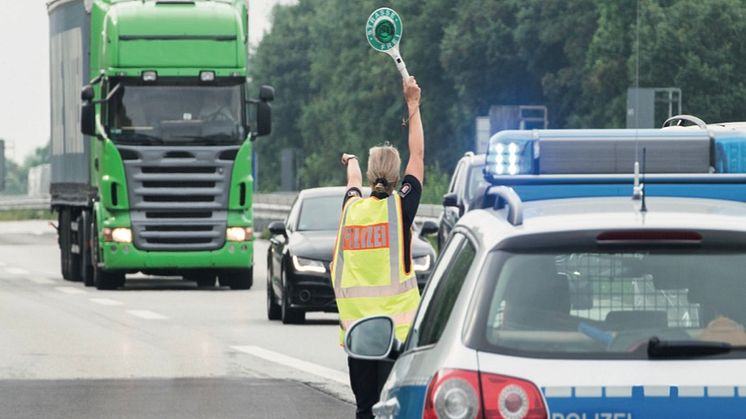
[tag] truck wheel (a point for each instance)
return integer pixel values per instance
(75, 259)
(274, 311)
(63, 239)
(288, 314)
(103, 279)
(238, 280)
(86, 269)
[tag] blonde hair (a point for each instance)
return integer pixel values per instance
(383, 168)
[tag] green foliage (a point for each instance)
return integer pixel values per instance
(16, 175)
(335, 94)
(26, 214)
(436, 185)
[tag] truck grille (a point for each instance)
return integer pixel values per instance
(178, 196)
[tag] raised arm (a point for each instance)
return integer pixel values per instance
(416, 164)
(354, 175)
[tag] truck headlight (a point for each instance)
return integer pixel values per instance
(118, 235)
(308, 265)
(239, 234)
(421, 263)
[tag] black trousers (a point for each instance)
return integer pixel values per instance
(367, 379)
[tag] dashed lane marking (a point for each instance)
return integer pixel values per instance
(106, 302)
(40, 281)
(71, 290)
(17, 271)
(299, 364)
(147, 314)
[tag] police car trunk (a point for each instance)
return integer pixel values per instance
(602, 306)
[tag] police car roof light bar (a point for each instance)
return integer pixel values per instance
(513, 201)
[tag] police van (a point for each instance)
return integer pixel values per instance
(584, 290)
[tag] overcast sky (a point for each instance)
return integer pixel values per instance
(24, 69)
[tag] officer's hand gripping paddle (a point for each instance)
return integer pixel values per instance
(384, 31)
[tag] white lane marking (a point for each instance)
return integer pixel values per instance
(299, 364)
(106, 302)
(71, 290)
(147, 314)
(40, 281)
(17, 271)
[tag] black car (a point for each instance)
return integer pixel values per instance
(301, 248)
(462, 191)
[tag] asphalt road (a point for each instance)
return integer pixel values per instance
(158, 348)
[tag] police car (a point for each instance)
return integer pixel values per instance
(565, 298)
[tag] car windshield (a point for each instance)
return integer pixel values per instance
(176, 115)
(601, 305)
(320, 213)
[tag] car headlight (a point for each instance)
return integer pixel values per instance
(422, 263)
(239, 234)
(308, 265)
(118, 235)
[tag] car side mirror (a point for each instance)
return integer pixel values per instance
(372, 338)
(277, 228)
(87, 111)
(450, 200)
(428, 227)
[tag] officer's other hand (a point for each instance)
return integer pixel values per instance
(412, 92)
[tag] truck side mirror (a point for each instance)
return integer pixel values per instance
(87, 111)
(266, 93)
(87, 93)
(264, 111)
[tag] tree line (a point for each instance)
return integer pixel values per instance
(577, 57)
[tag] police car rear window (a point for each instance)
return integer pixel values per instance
(610, 305)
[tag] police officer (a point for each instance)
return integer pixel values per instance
(372, 268)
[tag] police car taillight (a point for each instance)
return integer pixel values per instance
(466, 394)
(511, 398)
(453, 394)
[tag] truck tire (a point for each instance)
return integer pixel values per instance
(240, 279)
(87, 254)
(63, 238)
(103, 279)
(75, 259)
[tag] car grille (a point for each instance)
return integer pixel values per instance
(178, 196)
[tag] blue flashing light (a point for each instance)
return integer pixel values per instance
(509, 157)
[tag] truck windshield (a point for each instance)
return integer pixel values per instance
(177, 115)
(610, 305)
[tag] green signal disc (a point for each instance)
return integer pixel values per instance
(383, 29)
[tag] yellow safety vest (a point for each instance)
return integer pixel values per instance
(368, 270)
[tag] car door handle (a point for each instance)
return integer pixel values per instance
(386, 409)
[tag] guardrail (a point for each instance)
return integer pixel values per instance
(267, 207)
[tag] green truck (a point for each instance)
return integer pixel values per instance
(151, 139)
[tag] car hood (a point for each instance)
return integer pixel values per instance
(319, 245)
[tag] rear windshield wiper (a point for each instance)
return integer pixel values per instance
(666, 349)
